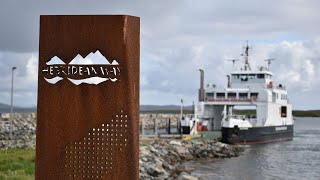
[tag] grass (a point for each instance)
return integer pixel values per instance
(310, 113)
(17, 164)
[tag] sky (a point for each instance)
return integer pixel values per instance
(177, 38)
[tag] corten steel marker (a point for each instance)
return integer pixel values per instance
(88, 126)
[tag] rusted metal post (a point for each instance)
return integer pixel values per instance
(88, 112)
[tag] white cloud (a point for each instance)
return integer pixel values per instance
(295, 66)
(178, 38)
(32, 69)
(25, 78)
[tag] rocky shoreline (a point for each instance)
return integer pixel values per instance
(23, 131)
(163, 159)
(159, 159)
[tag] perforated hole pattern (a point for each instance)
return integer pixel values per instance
(93, 156)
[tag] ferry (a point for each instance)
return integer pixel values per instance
(247, 90)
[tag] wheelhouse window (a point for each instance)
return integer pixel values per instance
(235, 76)
(210, 95)
(252, 76)
(260, 76)
(254, 95)
(243, 95)
(244, 77)
(221, 95)
(232, 95)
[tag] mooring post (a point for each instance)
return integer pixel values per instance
(169, 126)
(142, 126)
(155, 125)
(178, 126)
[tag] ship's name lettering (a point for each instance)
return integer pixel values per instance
(283, 128)
(81, 70)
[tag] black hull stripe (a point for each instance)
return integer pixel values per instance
(257, 135)
(264, 142)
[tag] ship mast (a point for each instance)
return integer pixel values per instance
(269, 63)
(233, 62)
(245, 55)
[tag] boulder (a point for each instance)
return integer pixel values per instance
(186, 176)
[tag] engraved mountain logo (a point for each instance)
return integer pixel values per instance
(82, 70)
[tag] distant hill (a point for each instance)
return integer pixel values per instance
(308, 113)
(4, 108)
(295, 113)
(164, 107)
(175, 109)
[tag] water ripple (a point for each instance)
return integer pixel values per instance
(297, 159)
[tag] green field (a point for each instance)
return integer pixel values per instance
(17, 164)
(310, 113)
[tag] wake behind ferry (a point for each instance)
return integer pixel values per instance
(218, 108)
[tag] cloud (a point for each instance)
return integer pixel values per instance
(178, 38)
(25, 78)
(298, 61)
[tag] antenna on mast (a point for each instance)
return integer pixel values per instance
(245, 55)
(269, 62)
(233, 62)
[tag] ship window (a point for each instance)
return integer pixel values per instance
(252, 76)
(220, 95)
(260, 76)
(254, 95)
(273, 96)
(243, 95)
(232, 95)
(283, 97)
(235, 76)
(283, 111)
(210, 94)
(244, 77)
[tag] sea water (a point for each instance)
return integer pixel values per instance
(297, 159)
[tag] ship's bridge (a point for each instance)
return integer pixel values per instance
(251, 79)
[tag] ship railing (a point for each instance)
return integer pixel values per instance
(252, 99)
(237, 116)
(242, 116)
(271, 86)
